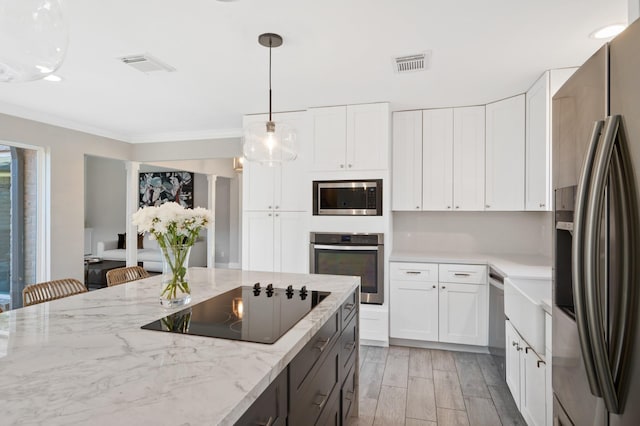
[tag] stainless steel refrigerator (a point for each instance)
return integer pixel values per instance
(596, 168)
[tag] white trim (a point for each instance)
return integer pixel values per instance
(42, 117)
(43, 214)
(53, 120)
(186, 136)
(133, 194)
(211, 230)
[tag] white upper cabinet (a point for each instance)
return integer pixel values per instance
(504, 162)
(407, 161)
(329, 128)
(281, 187)
(538, 173)
(538, 138)
(354, 137)
(437, 159)
(468, 158)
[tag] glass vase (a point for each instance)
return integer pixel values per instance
(175, 279)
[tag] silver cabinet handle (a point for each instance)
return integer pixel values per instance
(434, 286)
(514, 343)
(487, 206)
(418, 207)
(577, 253)
(322, 402)
(542, 204)
(457, 207)
(448, 207)
(321, 345)
(277, 207)
(592, 228)
(443, 287)
(350, 165)
(277, 214)
(413, 272)
(269, 214)
(269, 207)
(462, 274)
(342, 166)
(540, 362)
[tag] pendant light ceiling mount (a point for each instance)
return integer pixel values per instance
(270, 40)
(269, 143)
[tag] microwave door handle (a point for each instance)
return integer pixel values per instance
(593, 299)
(626, 209)
(345, 248)
(577, 259)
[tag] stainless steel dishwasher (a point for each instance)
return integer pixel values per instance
(497, 319)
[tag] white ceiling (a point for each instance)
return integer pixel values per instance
(335, 52)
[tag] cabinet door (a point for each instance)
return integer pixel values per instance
(413, 310)
(513, 347)
(468, 158)
(407, 161)
(437, 159)
(258, 241)
(258, 186)
(463, 313)
(368, 137)
(291, 247)
(504, 162)
(532, 389)
(329, 129)
(538, 168)
(292, 183)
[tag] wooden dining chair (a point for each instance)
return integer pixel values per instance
(51, 290)
(125, 275)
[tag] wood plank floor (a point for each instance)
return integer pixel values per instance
(419, 387)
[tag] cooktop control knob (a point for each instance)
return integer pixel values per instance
(289, 292)
(269, 290)
(303, 292)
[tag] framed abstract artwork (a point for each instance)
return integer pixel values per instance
(157, 188)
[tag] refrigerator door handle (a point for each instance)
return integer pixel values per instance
(593, 227)
(577, 256)
(626, 208)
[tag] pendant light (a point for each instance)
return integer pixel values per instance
(34, 39)
(270, 143)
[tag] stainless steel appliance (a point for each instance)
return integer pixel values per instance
(347, 198)
(497, 320)
(596, 154)
(252, 314)
(359, 255)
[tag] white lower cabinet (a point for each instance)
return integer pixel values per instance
(424, 307)
(526, 377)
(276, 242)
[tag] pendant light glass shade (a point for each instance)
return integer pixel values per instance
(33, 39)
(269, 142)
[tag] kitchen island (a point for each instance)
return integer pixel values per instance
(85, 359)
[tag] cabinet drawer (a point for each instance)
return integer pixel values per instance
(318, 392)
(464, 274)
(348, 394)
(270, 407)
(301, 366)
(427, 272)
(348, 343)
(350, 308)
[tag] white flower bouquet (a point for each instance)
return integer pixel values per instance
(176, 229)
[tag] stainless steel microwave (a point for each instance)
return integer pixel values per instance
(347, 198)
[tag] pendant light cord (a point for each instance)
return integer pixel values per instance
(270, 44)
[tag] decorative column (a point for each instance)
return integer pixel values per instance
(211, 230)
(133, 196)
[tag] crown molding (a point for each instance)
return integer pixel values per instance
(186, 136)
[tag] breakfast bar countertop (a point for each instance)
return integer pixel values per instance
(85, 360)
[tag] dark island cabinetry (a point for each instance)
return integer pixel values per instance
(320, 385)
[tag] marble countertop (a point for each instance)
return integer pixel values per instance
(85, 360)
(509, 265)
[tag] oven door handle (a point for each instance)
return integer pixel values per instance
(346, 248)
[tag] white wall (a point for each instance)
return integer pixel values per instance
(66, 149)
(634, 11)
(235, 221)
(473, 232)
(187, 150)
(105, 198)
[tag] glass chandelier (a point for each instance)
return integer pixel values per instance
(33, 39)
(270, 143)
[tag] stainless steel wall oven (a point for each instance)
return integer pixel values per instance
(351, 254)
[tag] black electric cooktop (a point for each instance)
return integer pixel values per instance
(253, 314)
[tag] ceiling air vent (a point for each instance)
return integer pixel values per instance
(146, 63)
(412, 63)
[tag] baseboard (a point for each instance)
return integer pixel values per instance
(439, 345)
(367, 342)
